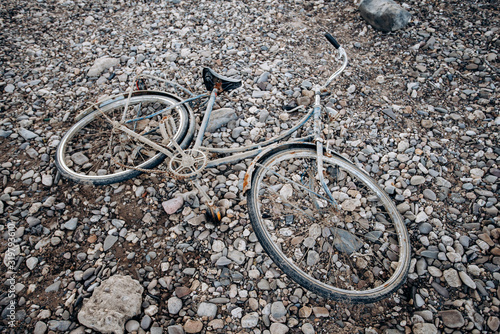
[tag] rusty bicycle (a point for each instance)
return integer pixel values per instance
(324, 221)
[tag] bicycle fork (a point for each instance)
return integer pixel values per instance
(319, 144)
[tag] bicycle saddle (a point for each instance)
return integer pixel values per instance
(210, 79)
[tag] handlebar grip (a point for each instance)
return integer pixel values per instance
(332, 40)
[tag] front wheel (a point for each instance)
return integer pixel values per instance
(354, 248)
(93, 152)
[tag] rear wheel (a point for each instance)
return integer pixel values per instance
(354, 249)
(92, 151)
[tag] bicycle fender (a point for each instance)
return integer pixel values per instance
(247, 181)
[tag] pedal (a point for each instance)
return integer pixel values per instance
(214, 214)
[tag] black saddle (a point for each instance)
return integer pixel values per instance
(211, 79)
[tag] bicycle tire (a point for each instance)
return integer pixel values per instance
(97, 144)
(331, 268)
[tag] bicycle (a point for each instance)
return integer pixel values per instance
(325, 222)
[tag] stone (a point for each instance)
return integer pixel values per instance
(193, 326)
(278, 310)
(493, 323)
(54, 287)
(321, 312)
(385, 15)
(172, 205)
(452, 318)
(174, 305)
(207, 310)
(146, 322)
(71, 224)
(305, 312)
(182, 291)
(345, 241)
(467, 280)
(40, 327)
(307, 328)
(417, 180)
(132, 325)
(250, 320)
(277, 328)
(221, 117)
(27, 134)
(116, 300)
(175, 329)
(424, 328)
(109, 241)
(31, 262)
(452, 278)
(102, 64)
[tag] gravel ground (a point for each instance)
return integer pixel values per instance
(420, 112)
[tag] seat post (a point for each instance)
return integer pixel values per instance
(206, 118)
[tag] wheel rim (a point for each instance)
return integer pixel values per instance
(76, 143)
(303, 261)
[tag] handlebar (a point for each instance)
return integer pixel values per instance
(332, 40)
(342, 53)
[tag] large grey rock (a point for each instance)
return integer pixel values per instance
(116, 300)
(385, 15)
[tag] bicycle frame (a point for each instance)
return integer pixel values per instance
(240, 153)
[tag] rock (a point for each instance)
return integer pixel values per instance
(71, 224)
(182, 291)
(193, 326)
(207, 310)
(175, 329)
(31, 262)
(493, 323)
(385, 15)
(27, 134)
(467, 280)
(250, 320)
(452, 318)
(59, 325)
(220, 117)
(172, 205)
(54, 287)
(109, 242)
(307, 328)
(9, 88)
(321, 312)
(417, 180)
(102, 64)
(146, 322)
(174, 305)
(132, 325)
(278, 310)
(277, 328)
(116, 300)
(345, 241)
(40, 327)
(424, 328)
(452, 278)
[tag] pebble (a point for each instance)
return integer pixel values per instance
(207, 310)
(193, 326)
(452, 278)
(174, 305)
(277, 328)
(172, 205)
(250, 320)
(452, 318)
